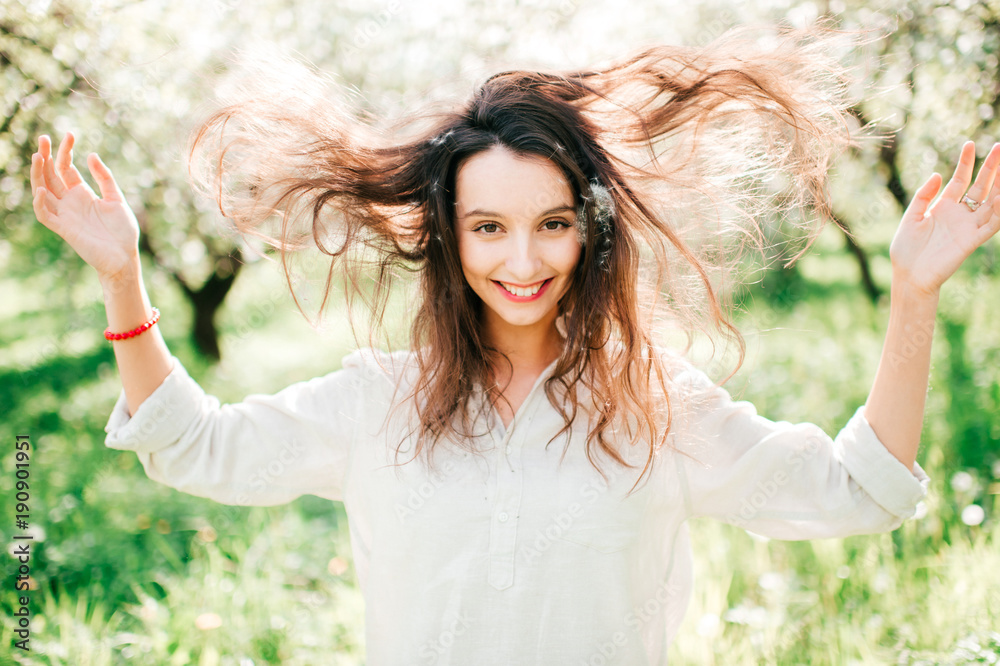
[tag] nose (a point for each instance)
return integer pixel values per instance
(523, 257)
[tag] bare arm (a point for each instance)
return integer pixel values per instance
(895, 406)
(104, 232)
(929, 246)
(143, 361)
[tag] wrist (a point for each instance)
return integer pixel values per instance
(909, 291)
(126, 278)
(912, 306)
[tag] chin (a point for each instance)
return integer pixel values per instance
(507, 314)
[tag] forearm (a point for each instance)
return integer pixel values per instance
(144, 360)
(895, 406)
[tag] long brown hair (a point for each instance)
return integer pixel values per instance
(686, 142)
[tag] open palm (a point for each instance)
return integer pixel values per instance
(102, 230)
(933, 241)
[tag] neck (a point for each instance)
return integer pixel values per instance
(529, 348)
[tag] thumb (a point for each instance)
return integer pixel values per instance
(105, 180)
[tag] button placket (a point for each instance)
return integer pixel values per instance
(510, 482)
(503, 531)
(510, 478)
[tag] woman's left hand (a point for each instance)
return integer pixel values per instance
(930, 245)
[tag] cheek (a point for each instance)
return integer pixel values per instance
(472, 257)
(569, 255)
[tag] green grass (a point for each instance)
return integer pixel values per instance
(128, 571)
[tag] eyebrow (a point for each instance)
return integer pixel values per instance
(479, 212)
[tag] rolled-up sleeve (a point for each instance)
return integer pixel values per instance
(784, 480)
(263, 451)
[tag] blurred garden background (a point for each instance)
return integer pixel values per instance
(128, 571)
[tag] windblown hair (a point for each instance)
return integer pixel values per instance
(677, 157)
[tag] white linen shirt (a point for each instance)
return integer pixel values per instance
(506, 556)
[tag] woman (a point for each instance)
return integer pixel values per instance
(517, 530)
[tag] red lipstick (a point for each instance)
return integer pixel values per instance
(523, 299)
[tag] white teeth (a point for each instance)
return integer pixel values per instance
(522, 291)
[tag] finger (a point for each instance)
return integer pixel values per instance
(987, 175)
(46, 208)
(923, 197)
(53, 181)
(992, 226)
(105, 180)
(959, 183)
(44, 146)
(64, 162)
(36, 173)
(989, 206)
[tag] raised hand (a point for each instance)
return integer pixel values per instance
(933, 241)
(102, 230)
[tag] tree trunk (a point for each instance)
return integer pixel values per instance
(207, 300)
(871, 289)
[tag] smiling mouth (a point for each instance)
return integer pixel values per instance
(523, 292)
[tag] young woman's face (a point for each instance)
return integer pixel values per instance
(516, 236)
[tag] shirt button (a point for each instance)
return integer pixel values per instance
(503, 517)
(508, 449)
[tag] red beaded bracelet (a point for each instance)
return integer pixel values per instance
(108, 335)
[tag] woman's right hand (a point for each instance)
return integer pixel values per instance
(102, 230)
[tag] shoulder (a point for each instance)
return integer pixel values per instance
(371, 366)
(696, 400)
(683, 376)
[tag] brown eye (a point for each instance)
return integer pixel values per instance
(559, 224)
(489, 227)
